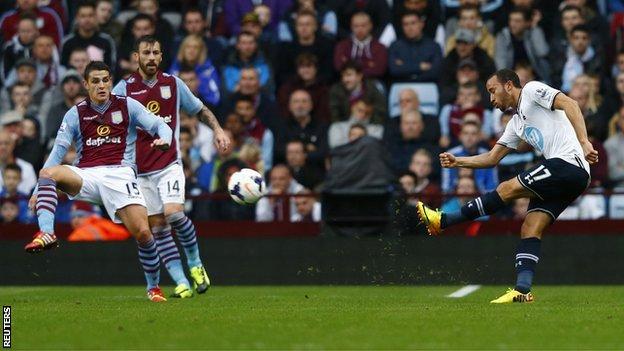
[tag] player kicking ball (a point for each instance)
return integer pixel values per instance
(161, 176)
(553, 124)
(104, 131)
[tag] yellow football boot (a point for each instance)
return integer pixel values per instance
(431, 218)
(513, 295)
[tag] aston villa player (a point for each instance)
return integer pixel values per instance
(161, 176)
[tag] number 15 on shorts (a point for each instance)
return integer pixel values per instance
(133, 189)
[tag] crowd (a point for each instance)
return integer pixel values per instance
(297, 83)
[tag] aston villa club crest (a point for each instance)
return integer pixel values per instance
(116, 117)
(165, 92)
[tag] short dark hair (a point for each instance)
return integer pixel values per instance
(412, 13)
(469, 85)
(28, 16)
(306, 58)
(12, 167)
(86, 3)
(186, 69)
(571, 8)
(359, 126)
(245, 98)
(526, 12)
(96, 66)
(306, 12)
(297, 141)
(148, 39)
(351, 64)
(580, 28)
(469, 8)
(245, 32)
(408, 173)
(185, 130)
(142, 16)
(506, 75)
(470, 123)
(193, 10)
(18, 84)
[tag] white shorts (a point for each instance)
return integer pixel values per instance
(113, 187)
(163, 187)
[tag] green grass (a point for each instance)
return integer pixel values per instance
(315, 318)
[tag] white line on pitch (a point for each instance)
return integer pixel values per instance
(466, 290)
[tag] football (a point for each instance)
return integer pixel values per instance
(246, 186)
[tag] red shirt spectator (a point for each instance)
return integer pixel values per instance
(48, 21)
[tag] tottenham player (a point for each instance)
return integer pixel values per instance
(552, 124)
(161, 176)
(104, 130)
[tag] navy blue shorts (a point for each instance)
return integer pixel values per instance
(555, 184)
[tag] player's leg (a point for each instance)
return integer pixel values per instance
(483, 205)
(134, 218)
(46, 200)
(185, 230)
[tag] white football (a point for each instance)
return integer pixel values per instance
(246, 186)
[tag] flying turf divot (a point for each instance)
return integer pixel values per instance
(466, 290)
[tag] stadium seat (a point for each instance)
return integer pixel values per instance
(616, 206)
(174, 18)
(124, 16)
(427, 94)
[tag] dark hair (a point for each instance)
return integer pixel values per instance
(245, 98)
(185, 130)
(526, 12)
(297, 141)
(28, 16)
(351, 64)
(571, 8)
(142, 16)
(359, 126)
(469, 8)
(96, 66)
(580, 28)
(12, 167)
(193, 10)
(469, 85)
(245, 32)
(306, 12)
(506, 75)
(412, 13)
(86, 3)
(148, 39)
(470, 123)
(408, 173)
(186, 69)
(306, 58)
(361, 13)
(18, 84)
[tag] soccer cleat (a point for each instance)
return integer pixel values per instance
(201, 282)
(182, 291)
(431, 218)
(513, 295)
(156, 295)
(42, 241)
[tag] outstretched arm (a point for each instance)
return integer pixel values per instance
(573, 111)
(150, 123)
(486, 160)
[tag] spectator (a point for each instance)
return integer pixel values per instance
(407, 179)
(522, 43)
(325, 18)
(22, 101)
(227, 210)
(357, 131)
(274, 208)
(467, 106)
(78, 60)
(9, 210)
(234, 123)
(307, 79)
(255, 130)
(525, 73)
(302, 126)
(588, 107)
(48, 21)
(19, 46)
(104, 10)
(11, 177)
(580, 57)
(234, 11)
(352, 87)
(307, 208)
(378, 10)
(194, 54)
(25, 133)
(100, 46)
(362, 48)
(70, 87)
(26, 73)
(465, 48)
(142, 25)
(46, 56)
(470, 19)
(305, 173)
(202, 136)
(465, 191)
(614, 146)
(467, 73)
(87, 225)
(429, 9)
(570, 17)
(361, 112)
(409, 101)
(596, 24)
(194, 23)
(427, 189)
(245, 55)
(306, 41)
(414, 58)
(267, 40)
(189, 76)
(487, 8)
(7, 146)
(189, 153)
(486, 179)
(409, 139)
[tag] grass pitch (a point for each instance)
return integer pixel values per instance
(305, 317)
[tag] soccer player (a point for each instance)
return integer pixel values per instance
(104, 131)
(161, 176)
(553, 124)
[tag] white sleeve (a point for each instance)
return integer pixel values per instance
(540, 93)
(510, 136)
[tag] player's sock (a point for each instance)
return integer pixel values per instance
(527, 257)
(481, 206)
(186, 235)
(148, 256)
(169, 254)
(47, 199)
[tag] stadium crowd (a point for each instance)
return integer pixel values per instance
(303, 85)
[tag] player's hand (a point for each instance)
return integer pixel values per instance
(221, 140)
(591, 155)
(32, 202)
(160, 145)
(448, 160)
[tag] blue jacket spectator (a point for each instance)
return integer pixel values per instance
(246, 55)
(415, 58)
(235, 10)
(465, 186)
(12, 176)
(193, 53)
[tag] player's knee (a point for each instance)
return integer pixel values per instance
(47, 173)
(175, 217)
(507, 190)
(171, 209)
(530, 229)
(144, 235)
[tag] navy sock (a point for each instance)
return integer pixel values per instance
(481, 206)
(527, 257)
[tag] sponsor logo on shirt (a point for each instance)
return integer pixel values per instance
(153, 106)
(88, 118)
(138, 92)
(103, 140)
(103, 130)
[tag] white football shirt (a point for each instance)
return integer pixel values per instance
(546, 129)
